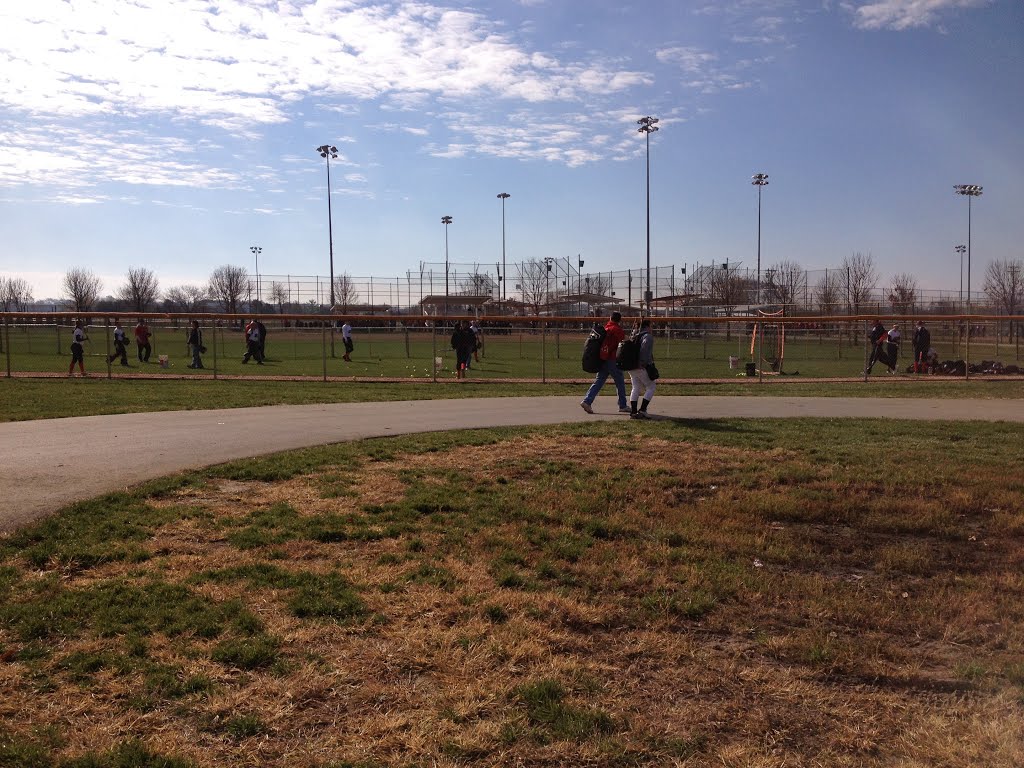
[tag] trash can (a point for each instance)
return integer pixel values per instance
(751, 369)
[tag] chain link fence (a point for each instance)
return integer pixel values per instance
(521, 347)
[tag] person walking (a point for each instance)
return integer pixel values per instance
(120, 344)
(252, 343)
(640, 377)
(463, 340)
(876, 338)
(346, 339)
(78, 338)
(613, 334)
(142, 336)
(195, 345)
(922, 342)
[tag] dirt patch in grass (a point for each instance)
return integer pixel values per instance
(543, 600)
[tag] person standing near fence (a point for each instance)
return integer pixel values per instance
(613, 334)
(78, 339)
(252, 343)
(120, 344)
(478, 336)
(346, 339)
(640, 377)
(893, 343)
(463, 341)
(195, 345)
(142, 336)
(922, 341)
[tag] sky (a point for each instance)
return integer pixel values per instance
(175, 134)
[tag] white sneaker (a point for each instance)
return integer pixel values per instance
(624, 410)
(586, 407)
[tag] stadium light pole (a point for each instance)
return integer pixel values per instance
(647, 127)
(256, 250)
(970, 191)
(759, 180)
(503, 196)
(446, 220)
(328, 152)
(961, 249)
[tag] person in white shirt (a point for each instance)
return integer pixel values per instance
(120, 344)
(346, 338)
(893, 341)
(77, 350)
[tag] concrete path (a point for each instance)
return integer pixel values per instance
(47, 464)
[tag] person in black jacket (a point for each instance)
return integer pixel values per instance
(195, 345)
(877, 338)
(922, 341)
(463, 342)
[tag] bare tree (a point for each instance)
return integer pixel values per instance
(184, 298)
(81, 289)
(533, 283)
(727, 287)
(279, 295)
(599, 284)
(861, 279)
(829, 292)
(141, 290)
(15, 294)
(903, 293)
(784, 283)
(345, 293)
(227, 284)
(1004, 284)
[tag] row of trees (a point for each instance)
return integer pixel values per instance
(854, 285)
(227, 288)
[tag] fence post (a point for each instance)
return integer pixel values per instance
(407, 354)
(544, 352)
(967, 351)
(433, 358)
(7, 343)
(106, 337)
(213, 331)
(323, 347)
(867, 349)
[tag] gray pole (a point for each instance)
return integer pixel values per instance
(647, 127)
(504, 271)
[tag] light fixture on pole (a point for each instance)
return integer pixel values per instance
(328, 152)
(548, 261)
(446, 220)
(759, 180)
(647, 127)
(961, 249)
(971, 191)
(503, 196)
(256, 250)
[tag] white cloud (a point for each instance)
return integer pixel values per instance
(906, 14)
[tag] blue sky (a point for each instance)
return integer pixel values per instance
(175, 134)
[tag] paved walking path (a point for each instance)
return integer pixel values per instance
(47, 464)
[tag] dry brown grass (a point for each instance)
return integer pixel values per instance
(713, 605)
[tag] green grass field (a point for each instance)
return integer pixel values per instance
(395, 354)
(27, 398)
(755, 593)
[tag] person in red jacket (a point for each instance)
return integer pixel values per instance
(613, 335)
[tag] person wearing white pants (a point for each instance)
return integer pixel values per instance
(640, 377)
